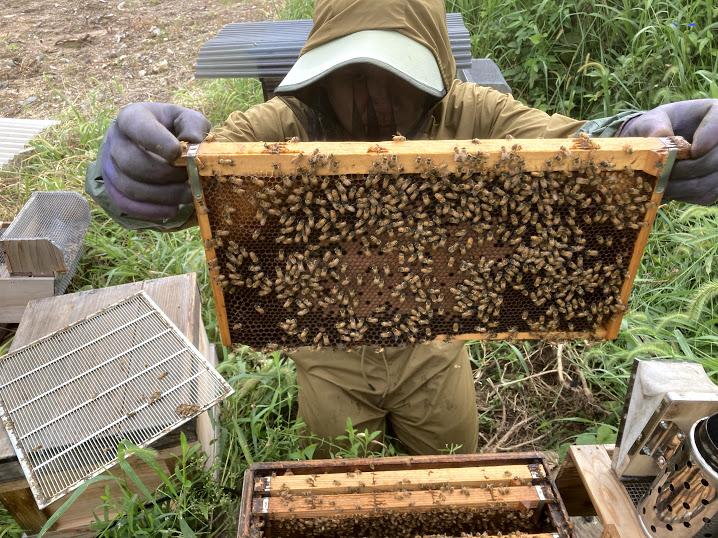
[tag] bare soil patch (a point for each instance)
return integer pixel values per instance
(109, 51)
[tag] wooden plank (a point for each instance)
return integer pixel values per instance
(21, 505)
(572, 489)
(16, 292)
(357, 157)
(178, 297)
(33, 257)
(206, 234)
(385, 481)
(505, 499)
(612, 327)
(610, 531)
(206, 431)
(606, 492)
(365, 465)
(245, 505)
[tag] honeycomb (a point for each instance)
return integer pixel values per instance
(411, 250)
(444, 522)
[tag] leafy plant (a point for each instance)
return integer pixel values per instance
(356, 444)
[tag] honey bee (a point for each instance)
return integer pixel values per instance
(162, 376)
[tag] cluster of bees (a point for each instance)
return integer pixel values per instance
(187, 410)
(437, 522)
(409, 251)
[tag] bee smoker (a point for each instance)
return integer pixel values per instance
(682, 501)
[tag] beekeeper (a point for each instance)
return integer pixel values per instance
(368, 71)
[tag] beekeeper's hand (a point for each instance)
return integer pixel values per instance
(693, 180)
(136, 160)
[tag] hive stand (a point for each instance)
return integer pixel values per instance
(179, 298)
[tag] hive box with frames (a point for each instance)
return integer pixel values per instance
(392, 243)
(495, 494)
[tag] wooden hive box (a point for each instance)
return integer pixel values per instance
(179, 299)
(389, 244)
(498, 494)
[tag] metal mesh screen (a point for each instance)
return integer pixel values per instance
(637, 489)
(396, 256)
(124, 373)
(62, 217)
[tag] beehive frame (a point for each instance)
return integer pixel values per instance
(428, 495)
(393, 243)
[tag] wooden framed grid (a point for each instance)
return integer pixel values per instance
(393, 243)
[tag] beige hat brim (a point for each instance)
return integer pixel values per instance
(387, 49)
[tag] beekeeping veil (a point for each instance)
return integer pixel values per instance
(407, 38)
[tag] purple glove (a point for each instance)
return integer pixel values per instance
(136, 160)
(693, 180)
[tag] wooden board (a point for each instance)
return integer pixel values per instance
(606, 493)
(33, 257)
(386, 481)
(16, 292)
(610, 531)
(505, 499)
(344, 157)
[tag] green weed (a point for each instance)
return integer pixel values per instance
(588, 59)
(293, 9)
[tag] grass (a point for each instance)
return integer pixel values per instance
(593, 59)
(576, 58)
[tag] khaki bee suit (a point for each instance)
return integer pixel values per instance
(425, 391)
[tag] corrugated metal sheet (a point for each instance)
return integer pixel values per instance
(485, 72)
(15, 133)
(269, 49)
